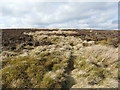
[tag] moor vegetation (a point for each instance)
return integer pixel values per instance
(59, 59)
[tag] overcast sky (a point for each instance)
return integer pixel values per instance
(80, 15)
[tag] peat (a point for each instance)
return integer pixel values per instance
(12, 37)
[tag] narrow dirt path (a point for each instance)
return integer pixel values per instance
(70, 80)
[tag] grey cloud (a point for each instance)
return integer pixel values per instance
(48, 15)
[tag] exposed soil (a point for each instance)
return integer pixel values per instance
(12, 37)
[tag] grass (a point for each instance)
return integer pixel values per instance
(79, 61)
(30, 72)
(93, 73)
(56, 67)
(25, 68)
(51, 69)
(47, 82)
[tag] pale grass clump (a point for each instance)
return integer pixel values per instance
(55, 74)
(78, 46)
(17, 83)
(51, 32)
(7, 54)
(89, 43)
(53, 79)
(104, 53)
(99, 65)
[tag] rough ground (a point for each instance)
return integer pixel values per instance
(12, 37)
(60, 59)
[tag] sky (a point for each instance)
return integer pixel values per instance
(72, 15)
